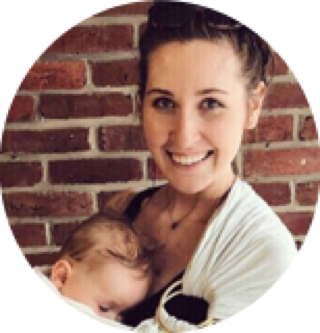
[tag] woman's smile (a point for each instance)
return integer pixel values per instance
(188, 160)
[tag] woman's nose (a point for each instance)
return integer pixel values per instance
(185, 130)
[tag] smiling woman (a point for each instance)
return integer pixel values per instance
(203, 80)
(72, 141)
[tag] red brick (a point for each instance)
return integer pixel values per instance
(282, 162)
(278, 66)
(84, 106)
(137, 8)
(21, 110)
(275, 194)
(271, 129)
(55, 75)
(50, 204)
(20, 173)
(61, 231)
(41, 259)
(94, 39)
(116, 73)
(308, 130)
(307, 193)
(29, 234)
(94, 171)
(121, 138)
(285, 95)
(297, 222)
(48, 141)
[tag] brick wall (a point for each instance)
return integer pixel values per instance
(72, 137)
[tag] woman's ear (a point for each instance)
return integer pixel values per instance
(60, 273)
(256, 99)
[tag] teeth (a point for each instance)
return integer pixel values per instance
(188, 160)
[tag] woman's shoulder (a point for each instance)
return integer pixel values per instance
(129, 201)
(119, 201)
(247, 214)
(243, 198)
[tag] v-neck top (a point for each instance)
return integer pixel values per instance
(189, 308)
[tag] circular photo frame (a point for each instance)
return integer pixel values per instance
(135, 115)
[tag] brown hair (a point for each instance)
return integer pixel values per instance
(107, 235)
(252, 50)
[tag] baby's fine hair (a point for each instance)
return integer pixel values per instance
(107, 236)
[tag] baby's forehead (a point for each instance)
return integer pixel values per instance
(115, 239)
(133, 274)
(112, 233)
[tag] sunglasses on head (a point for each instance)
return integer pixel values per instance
(176, 15)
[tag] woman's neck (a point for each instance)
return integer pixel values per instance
(214, 192)
(202, 204)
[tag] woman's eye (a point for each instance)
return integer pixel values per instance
(210, 103)
(163, 103)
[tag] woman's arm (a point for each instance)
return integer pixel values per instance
(120, 201)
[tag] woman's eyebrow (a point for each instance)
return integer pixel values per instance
(159, 91)
(205, 91)
(210, 91)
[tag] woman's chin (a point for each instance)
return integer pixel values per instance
(200, 182)
(189, 186)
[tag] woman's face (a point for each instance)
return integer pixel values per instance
(195, 110)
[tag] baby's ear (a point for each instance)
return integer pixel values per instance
(60, 273)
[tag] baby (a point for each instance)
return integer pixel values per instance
(104, 266)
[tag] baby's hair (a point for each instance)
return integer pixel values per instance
(107, 235)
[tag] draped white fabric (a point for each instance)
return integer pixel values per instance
(244, 250)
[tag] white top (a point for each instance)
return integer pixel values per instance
(243, 252)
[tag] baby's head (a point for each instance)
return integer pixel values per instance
(103, 265)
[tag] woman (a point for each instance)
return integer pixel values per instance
(203, 79)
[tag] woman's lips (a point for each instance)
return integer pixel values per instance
(188, 160)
